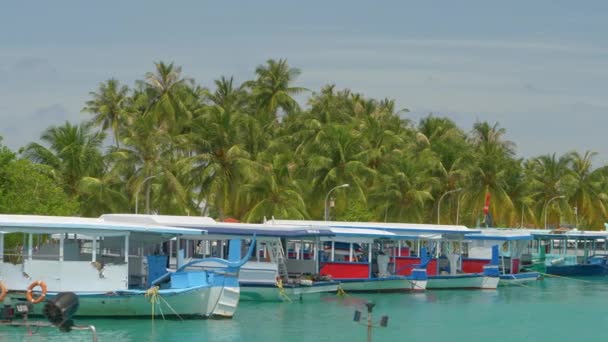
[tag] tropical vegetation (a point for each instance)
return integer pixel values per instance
(267, 147)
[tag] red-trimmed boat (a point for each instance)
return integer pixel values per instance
(357, 259)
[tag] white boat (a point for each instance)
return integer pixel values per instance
(114, 268)
(272, 273)
(508, 245)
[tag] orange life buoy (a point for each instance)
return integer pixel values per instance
(28, 295)
(3, 291)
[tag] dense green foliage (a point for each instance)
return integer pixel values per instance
(250, 151)
(28, 188)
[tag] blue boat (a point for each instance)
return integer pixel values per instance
(115, 268)
(570, 253)
(284, 264)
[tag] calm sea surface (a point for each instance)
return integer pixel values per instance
(549, 310)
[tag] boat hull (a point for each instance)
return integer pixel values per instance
(200, 302)
(578, 270)
(465, 281)
(388, 284)
(272, 293)
(518, 278)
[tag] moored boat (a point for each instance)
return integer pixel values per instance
(443, 244)
(509, 245)
(364, 267)
(273, 273)
(114, 268)
(569, 253)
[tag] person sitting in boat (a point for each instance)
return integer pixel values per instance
(382, 261)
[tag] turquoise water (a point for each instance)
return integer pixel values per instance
(552, 309)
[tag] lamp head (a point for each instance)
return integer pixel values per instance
(60, 310)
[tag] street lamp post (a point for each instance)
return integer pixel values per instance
(547, 204)
(147, 195)
(458, 208)
(440, 198)
(326, 216)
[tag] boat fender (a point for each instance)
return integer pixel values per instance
(3, 291)
(30, 297)
(557, 261)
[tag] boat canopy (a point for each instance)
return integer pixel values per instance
(88, 226)
(571, 235)
(358, 235)
(404, 228)
(225, 229)
(500, 235)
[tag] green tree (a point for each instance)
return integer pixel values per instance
(73, 152)
(588, 192)
(27, 188)
(493, 157)
(336, 157)
(108, 105)
(274, 192)
(273, 90)
(172, 97)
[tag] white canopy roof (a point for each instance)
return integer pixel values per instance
(405, 228)
(88, 226)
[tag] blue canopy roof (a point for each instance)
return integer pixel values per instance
(224, 228)
(499, 237)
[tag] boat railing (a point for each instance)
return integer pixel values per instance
(228, 265)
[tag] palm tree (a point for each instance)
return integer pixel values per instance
(588, 194)
(549, 177)
(73, 151)
(404, 193)
(108, 106)
(273, 90)
(104, 194)
(337, 157)
(148, 151)
(172, 97)
(274, 192)
(492, 160)
(220, 160)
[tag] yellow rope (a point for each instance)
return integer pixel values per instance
(282, 293)
(153, 294)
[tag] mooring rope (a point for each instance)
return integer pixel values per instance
(570, 278)
(155, 299)
(170, 307)
(153, 295)
(520, 284)
(282, 292)
(340, 292)
(416, 286)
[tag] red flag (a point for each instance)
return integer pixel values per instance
(486, 207)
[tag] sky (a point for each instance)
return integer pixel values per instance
(537, 68)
